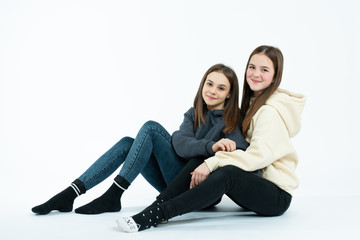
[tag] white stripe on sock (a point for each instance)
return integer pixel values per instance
(76, 189)
(119, 186)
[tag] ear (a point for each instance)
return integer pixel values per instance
(228, 96)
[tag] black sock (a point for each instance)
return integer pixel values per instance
(157, 202)
(63, 201)
(109, 201)
(150, 217)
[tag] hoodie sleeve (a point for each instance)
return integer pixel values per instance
(269, 142)
(185, 143)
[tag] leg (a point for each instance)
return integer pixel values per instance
(245, 188)
(250, 192)
(152, 139)
(107, 163)
(180, 183)
(178, 186)
(95, 174)
(152, 173)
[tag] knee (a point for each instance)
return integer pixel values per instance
(229, 174)
(123, 144)
(126, 141)
(153, 129)
(151, 125)
(195, 162)
(229, 170)
(192, 164)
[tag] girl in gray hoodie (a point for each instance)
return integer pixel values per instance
(211, 125)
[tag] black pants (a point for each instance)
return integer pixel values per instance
(244, 188)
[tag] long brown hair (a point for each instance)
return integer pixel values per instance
(231, 113)
(248, 111)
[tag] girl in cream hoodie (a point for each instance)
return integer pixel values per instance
(270, 118)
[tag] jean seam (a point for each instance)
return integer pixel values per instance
(99, 173)
(147, 132)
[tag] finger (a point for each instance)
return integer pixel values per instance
(191, 184)
(227, 147)
(233, 146)
(197, 179)
(225, 142)
(230, 145)
(201, 178)
(218, 146)
(193, 177)
(222, 146)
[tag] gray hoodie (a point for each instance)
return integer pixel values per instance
(189, 144)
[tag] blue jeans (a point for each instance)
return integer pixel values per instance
(150, 153)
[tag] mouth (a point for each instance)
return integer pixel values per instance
(255, 81)
(211, 98)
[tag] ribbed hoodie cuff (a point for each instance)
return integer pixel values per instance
(209, 148)
(212, 163)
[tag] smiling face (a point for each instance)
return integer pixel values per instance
(260, 73)
(216, 90)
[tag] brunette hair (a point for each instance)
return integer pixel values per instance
(231, 113)
(248, 110)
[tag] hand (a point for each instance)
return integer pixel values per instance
(224, 144)
(199, 175)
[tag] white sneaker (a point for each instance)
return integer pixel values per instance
(127, 224)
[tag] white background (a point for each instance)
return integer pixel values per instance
(76, 76)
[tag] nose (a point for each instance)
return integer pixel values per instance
(256, 73)
(212, 91)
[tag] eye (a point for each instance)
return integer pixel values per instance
(252, 67)
(209, 84)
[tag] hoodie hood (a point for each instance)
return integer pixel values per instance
(290, 106)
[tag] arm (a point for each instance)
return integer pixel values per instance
(199, 175)
(203, 171)
(269, 142)
(185, 143)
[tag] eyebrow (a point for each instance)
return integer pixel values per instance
(221, 85)
(260, 66)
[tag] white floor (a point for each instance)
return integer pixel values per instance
(323, 217)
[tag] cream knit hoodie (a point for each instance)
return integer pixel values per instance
(271, 128)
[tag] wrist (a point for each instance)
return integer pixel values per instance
(210, 148)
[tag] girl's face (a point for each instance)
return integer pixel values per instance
(260, 73)
(216, 90)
